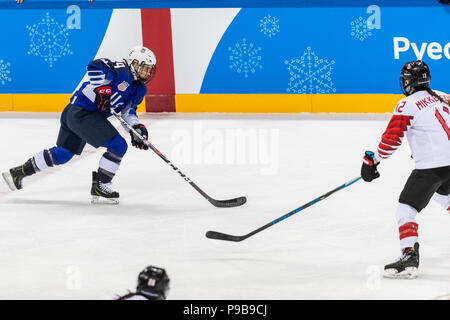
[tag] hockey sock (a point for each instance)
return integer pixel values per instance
(48, 158)
(109, 164)
(444, 201)
(60, 155)
(110, 161)
(41, 161)
(407, 226)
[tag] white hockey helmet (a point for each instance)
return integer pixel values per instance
(142, 57)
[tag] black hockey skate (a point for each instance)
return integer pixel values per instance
(15, 175)
(101, 193)
(406, 267)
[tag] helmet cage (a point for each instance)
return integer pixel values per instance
(414, 75)
(137, 58)
(150, 75)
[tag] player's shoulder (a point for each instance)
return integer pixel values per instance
(403, 104)
(100, 63)
(442, 94)
(105, 64)
(408, 105)
(141, 90)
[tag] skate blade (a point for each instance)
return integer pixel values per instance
(408, 273)
(9, 180)
(101, 200)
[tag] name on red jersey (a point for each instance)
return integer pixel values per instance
(425, 102)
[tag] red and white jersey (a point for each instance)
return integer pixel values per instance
(426, 123)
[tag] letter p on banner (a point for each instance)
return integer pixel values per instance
(397, 48)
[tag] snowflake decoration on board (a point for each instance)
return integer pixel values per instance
(359, 29)
(310, 74)
(5, 72)
(49, 40)
(269, 26)
(245, 57)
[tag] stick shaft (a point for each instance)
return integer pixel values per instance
(217, 203)
(156, 151)
(222, 236)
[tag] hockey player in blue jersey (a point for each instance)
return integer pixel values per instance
(110, 85)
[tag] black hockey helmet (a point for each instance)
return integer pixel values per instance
(153, 283)
(415, 75)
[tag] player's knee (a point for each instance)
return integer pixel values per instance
(117, 145)
(61, 155)
(405, 213)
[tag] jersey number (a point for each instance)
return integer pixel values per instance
(400, 106)
(113, 64)
(442, 122)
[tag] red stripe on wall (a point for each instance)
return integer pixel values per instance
(157, 36)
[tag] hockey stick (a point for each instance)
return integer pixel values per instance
(223, 236)
(217, 203)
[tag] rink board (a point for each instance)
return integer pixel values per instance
(318, 58)
(227, 103)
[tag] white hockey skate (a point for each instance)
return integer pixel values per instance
(9, 181)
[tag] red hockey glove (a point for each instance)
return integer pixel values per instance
(103, 98)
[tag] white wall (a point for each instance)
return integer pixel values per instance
(195, 36)
(124, 32)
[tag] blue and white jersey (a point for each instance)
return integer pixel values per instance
(126, 94)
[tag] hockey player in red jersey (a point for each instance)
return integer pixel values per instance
(424, 117)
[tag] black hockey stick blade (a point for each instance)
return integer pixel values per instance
(236, 202)
(228, 237)
(222, 236)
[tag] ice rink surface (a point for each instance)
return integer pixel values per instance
(56, 245)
